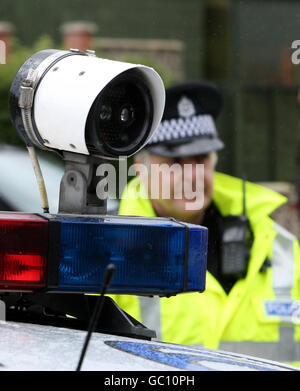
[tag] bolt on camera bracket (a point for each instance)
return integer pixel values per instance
(78, 186)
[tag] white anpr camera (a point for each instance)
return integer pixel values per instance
(85, 108)
(74, 101)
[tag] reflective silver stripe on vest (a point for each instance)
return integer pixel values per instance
(286, 349)
(283, 263)
(150, 314)
(283, 280)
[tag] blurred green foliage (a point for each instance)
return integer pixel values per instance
(19, 54)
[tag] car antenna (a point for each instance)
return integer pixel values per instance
(110, 269)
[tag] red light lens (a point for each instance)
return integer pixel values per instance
(23, 251)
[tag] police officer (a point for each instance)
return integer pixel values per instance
(251, 301)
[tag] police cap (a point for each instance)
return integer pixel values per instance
(188, 123)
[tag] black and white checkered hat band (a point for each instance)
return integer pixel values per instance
(197, 125)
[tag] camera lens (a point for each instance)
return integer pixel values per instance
(121, 116)
(127, 115)
(105, 113)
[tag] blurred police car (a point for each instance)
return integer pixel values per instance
(30, 347)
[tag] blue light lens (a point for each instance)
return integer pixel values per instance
(150, 255)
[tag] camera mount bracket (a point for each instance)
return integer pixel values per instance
(78, 185)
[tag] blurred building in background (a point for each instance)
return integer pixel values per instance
(6, 36)
(164, 53)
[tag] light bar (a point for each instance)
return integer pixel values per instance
(23, 251)
(151, 255)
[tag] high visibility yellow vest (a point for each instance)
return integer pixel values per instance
(261, 314)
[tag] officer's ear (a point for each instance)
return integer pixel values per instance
(215, 158)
